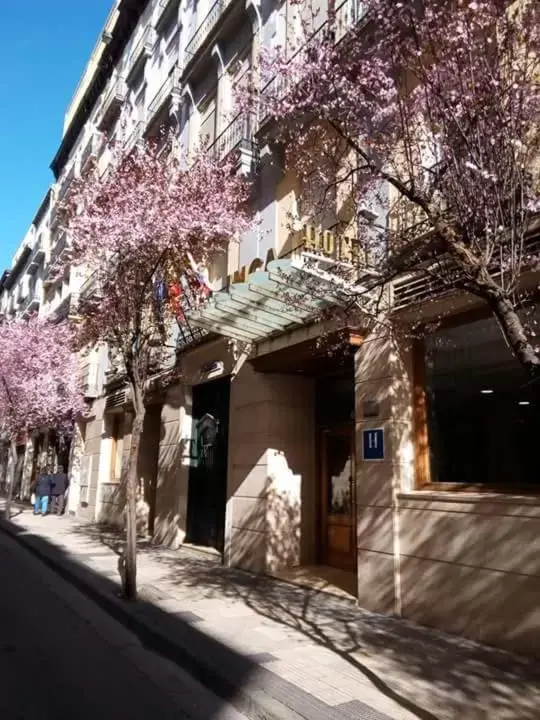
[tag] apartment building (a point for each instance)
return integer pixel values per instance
(23, 293)
(401, 472)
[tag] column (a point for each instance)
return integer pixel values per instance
(383, 415)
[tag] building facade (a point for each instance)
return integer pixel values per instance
(403, 471)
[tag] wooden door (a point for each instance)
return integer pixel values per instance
(338, 498)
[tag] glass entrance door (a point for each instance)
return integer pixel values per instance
(338, 498)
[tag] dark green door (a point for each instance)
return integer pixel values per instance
(207, 493)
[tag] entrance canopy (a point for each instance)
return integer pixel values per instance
(287, 294)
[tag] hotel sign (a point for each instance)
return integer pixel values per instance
(340, 248)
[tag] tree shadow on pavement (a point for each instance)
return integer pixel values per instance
(429, 673)
(417, 660)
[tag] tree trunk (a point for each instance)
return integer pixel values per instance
(515, 335)
(130, 557)
(12, 468)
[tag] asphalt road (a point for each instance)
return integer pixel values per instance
(62, 657)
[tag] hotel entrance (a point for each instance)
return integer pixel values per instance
(320, 449)
(335, 430)
(338, 501)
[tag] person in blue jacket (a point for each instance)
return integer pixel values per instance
(43, 492)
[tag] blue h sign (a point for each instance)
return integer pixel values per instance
(373, 444)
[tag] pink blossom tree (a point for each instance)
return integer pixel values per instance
(145, 230)
(429, 109)
(39, 380)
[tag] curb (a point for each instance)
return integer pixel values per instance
(255, 702)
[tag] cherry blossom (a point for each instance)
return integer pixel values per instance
(429, 110)
(145, 230)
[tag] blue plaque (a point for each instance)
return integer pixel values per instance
(373, 444)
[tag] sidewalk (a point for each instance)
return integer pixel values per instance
(319, 657)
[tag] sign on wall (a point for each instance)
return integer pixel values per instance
(373, 444)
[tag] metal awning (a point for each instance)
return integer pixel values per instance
(288, 294)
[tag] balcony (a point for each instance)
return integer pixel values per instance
(90, 288)
(91, 150)
(64, 184)
(348, 14)
(142, 50)
(169, 89)
(346, 17)
(133, 136)
(30, 306)
(114, 96)
(163, 8)
(92, 379)
(237, 138)
(58, 255)
(205, 28)
(36, 258)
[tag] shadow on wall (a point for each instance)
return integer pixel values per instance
(473, 569)
(226, 672)
(159, 470)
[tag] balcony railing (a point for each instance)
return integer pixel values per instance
(133, 136)
(346, 16)
(65, 184)
(31, 305)
(36, 258)
(50, 274)
(205, 28)
(236, 137)
(142, 49)
(90, 287)
(114, 96)
(169, 88)
(91, 150)
(92, 378)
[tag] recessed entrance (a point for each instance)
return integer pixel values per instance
(208, 471)
(338, 500)
(335, 449)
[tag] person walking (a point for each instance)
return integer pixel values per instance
(43, 493)
(60, 484)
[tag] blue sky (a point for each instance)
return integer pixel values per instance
(44, 47)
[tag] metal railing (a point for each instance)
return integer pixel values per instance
(205, 28)
(91, 149)
(116, 92)
(90, 287)
(92, 378)
(238, 131)
(30, 305)
(346, 17)
(169, 86)
(65, 184)
(143, 46)
(134, 135)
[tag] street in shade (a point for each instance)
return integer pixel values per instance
(62, 658)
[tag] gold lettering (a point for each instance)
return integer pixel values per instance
(328, 243)
(310, 239)
(345, 249)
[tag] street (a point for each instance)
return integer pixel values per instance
(61, 657)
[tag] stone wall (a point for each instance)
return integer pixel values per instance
(271, 478)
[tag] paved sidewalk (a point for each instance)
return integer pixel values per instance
(319, 656)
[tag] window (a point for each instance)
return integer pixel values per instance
(482, 411)
(117, 447)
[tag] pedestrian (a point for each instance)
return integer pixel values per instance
(43, 492)
(60, 484)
